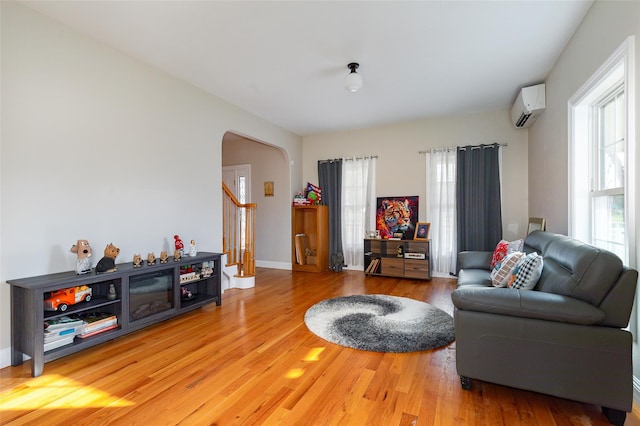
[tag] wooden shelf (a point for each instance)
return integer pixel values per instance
(310, 229)
(397, 258)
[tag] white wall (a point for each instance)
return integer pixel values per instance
(401, 170)
(99, 146)
(604, 28)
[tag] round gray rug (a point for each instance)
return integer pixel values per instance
(380, 323)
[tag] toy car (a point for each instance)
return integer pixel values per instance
(60, 300)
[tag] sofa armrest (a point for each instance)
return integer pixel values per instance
(475, 260)
(527, 304)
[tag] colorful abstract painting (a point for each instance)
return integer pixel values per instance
(397, 215)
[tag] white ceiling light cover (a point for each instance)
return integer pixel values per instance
(353, 80)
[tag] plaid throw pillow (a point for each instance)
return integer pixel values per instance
(529, 271)
(503, 273)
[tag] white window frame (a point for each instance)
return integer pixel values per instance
(619, 66)
(600, 192)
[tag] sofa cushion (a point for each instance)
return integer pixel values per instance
(573, 268)
(503, 248)
(526, 304)
(503, 274)
(474, 277)
(474, 260)
(538, 241)
(529, 270)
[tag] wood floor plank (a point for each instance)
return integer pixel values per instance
(252, 361)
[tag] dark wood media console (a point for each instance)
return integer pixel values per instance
(143, 296)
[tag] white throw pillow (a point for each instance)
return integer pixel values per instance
(502, 274)
(529, 271)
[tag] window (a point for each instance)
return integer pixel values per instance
(441, 209)
(601, 191)
(358, 199)
(607, 194)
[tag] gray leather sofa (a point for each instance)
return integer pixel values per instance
(564, 338)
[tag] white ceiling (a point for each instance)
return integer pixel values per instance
(286, 61)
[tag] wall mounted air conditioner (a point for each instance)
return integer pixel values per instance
(529, 104)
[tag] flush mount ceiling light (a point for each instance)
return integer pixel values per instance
(353, 81)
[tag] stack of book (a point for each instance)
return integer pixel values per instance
(96, 323)
(61, 331)
(373, 266)
(301, 247)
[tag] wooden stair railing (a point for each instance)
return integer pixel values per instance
(238, 233)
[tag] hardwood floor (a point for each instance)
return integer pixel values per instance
(253, 361)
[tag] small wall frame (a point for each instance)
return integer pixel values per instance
(536, 224)
(268, 189)
(422, 231)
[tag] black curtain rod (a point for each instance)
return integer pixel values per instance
(347, 159)
(464, 148)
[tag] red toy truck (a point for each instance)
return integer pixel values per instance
(60, 300)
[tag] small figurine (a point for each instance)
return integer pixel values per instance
(108, 262)
(164, 257)
(186, 293)
(137, 260)
(151, 259)
(179, 244)
(400, 252)
(112, 295)
(192, 249)
(83, 251)
(176, 255)
(206, 270)
(300, 200)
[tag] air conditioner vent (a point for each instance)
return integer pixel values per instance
(528, 105)
(522, 120)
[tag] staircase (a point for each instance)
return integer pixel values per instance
(238, 242)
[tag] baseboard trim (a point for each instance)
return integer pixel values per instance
(273, 265)
(636, 396)
(5, 357)
(287, 266)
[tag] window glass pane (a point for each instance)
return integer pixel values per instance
(618, 180)
(613, 168)
(620, 117)
(608, 223)
(242, 189)
(242, 213)
(611, 144)
(608, 124)
(608, 159)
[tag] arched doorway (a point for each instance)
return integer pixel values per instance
(268, 184)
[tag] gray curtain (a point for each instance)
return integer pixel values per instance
(479, 217)
(330, 182)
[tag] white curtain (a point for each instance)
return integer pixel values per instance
(441, 209)
(358, 207)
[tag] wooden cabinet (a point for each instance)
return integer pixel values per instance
(397, 258)
(310, 238)
(137, 297)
